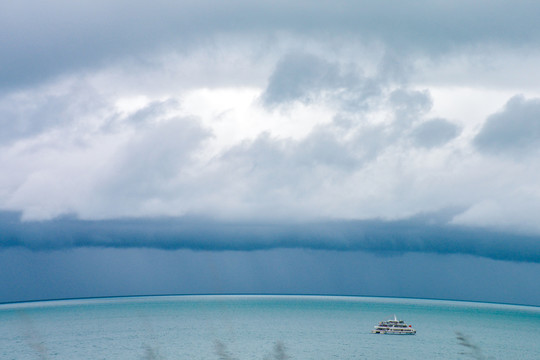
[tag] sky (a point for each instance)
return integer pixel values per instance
(377, 148)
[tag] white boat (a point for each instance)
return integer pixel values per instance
(393, 327)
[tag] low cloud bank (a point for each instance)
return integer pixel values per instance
(426, 233)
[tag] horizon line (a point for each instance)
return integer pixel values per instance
(247, 294)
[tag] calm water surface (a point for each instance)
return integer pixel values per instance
(264, 327)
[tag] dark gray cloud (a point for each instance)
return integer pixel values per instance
(434, 132)
(411, 102)
(409, 105)
(57, 38)
(300, 77)
(306, 78)
(514, 130)
(427, 233)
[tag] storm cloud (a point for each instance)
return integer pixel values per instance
(427, 233)
(307, 78)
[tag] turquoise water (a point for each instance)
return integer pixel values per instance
(264, 327)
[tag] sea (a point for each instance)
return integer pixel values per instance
(265, 328)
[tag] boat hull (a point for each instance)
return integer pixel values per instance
(394, 332)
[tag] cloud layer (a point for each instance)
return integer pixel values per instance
(70, 37)
(272, 113)
(427, 233)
